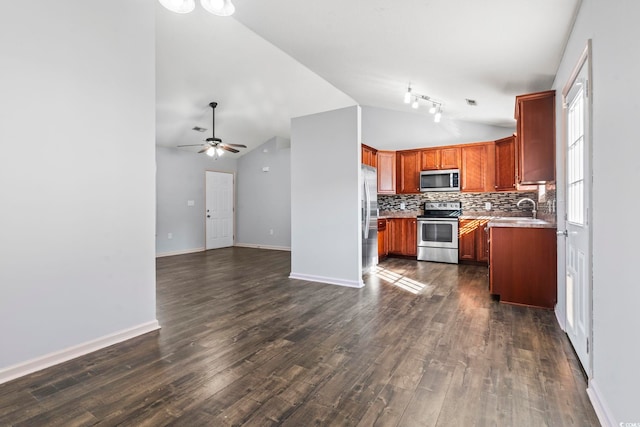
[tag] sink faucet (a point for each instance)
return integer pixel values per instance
(526, 199)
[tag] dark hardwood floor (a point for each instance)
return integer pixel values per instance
(422, 344)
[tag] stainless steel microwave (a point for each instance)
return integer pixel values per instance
(440, 180)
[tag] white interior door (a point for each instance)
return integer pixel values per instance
(219, 210)
(577, 151)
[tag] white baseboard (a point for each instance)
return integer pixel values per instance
(15, 371)
(560, 320)
(329, 280)
(186, 251)
(275, 248)
(605, 416)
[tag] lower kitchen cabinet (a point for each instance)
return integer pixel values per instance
(522, 265)
(472, 240)
(402, 236)
(383, 241)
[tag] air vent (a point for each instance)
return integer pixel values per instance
(199, 129)
(471, 102)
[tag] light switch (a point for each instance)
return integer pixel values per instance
(191, 203)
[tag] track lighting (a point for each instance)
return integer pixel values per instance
(438, 116)
(217, 7)
(407, 96)
(436, 106)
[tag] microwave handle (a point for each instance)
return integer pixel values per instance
(451, 179)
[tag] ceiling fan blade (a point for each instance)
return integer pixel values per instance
(236, 145)
(233, 150)
(190, 145)
(204, 150)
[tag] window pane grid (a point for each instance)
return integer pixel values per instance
(575, 160)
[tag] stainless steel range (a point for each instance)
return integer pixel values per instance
(438, 232)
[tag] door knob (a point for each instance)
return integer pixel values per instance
(564, 233)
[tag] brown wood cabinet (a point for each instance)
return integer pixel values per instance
(383, 241)
(386, 172)
(478, 167)
(473, 240)
(506, 164)
(369, 155)
(402, 236)
(536, 137)
(408, 171)
(440, 158)
(522, 265)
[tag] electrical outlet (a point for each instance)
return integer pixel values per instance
(271, 231)
(487, 206)
(169, 235)
(402, 205)
(191, 203)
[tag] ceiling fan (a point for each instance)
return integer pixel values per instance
(214, 146)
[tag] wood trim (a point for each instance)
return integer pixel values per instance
(64, 355)
(327, 280)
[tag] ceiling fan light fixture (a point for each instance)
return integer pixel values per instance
(218, 7)
(220, 151)
(211, 151)
(179, 6)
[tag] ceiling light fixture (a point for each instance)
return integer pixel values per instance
(436, 106)
(438, 116)
(217, 7)
(407, 96)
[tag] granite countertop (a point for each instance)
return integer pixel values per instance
(398, 214)
(496, 219)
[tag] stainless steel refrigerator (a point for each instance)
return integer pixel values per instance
(369, 226)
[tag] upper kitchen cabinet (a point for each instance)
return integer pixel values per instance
(440, 158)
(386, 172)
(535, 115)
(478, 167)
(506, 164)
(369, 155)
(408, 171)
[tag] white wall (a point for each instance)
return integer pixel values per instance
(180, 177)
(396, 130)
(264, 198)
(76, 175)
(616, 66)
(325, 198)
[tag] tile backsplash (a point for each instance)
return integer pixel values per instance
(472, 203)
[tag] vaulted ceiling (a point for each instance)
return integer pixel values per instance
(278, 59)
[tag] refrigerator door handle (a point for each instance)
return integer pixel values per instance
(367, 209)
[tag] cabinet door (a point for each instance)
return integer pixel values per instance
(450, 158)
(474, 161)
(383, 243)
(506, 164)
(466, 240)
(394, 235)
(386, 172)
(410, 237)
(408, 171)
(482, 242)
(430, 159)
(368, 155)
(535, 115)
